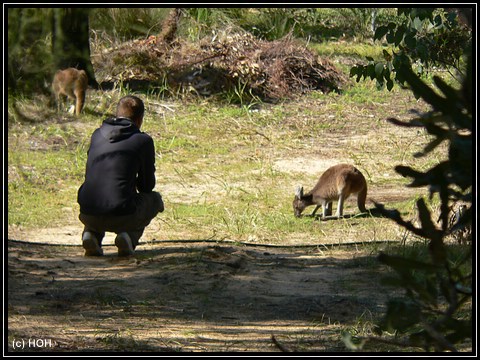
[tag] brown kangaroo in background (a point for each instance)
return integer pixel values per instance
(71, 83)
(336, 183)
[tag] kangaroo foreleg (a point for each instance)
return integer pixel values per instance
(315, 210)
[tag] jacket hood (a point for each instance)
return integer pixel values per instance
(116, 129)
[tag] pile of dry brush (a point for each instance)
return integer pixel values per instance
(220, 63)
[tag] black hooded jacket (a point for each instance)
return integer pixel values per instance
(121, 160)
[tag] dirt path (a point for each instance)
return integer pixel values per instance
(188, 297)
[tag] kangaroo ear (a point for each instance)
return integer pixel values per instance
(299, 192)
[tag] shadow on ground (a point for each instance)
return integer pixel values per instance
(190, 297)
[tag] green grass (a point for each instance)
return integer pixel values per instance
(354, 50)
(218, 163)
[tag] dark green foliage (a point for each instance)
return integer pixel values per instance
(437, 287)
(426, 38)
(29, 56)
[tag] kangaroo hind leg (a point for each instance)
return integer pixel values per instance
(328, 210)
(341, 200)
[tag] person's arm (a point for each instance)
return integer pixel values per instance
(146, 174)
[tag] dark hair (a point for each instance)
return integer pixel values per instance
(130, 107)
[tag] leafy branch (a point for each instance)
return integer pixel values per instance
(434, 314)
(426, 38)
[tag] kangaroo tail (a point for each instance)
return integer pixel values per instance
(361, 199)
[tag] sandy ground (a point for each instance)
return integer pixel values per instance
(188, 297)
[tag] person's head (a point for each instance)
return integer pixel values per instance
(131, 107)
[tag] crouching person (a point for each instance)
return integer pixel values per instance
(117, 194)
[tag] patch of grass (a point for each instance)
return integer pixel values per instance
(217, 163)
(351, 50)
(121, 340)
(40, 186)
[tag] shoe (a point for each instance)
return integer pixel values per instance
(91, 245)
(124, 244)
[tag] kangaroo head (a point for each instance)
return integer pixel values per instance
(298, 203)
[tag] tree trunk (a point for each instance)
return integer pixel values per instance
(70, 41)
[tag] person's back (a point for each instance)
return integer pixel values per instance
(117, 153)
(117, 194)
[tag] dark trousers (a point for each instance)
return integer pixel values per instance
(148, 206)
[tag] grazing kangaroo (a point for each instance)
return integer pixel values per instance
(70, 83)
(336, 183)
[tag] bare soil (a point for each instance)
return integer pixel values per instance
(189, 297)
